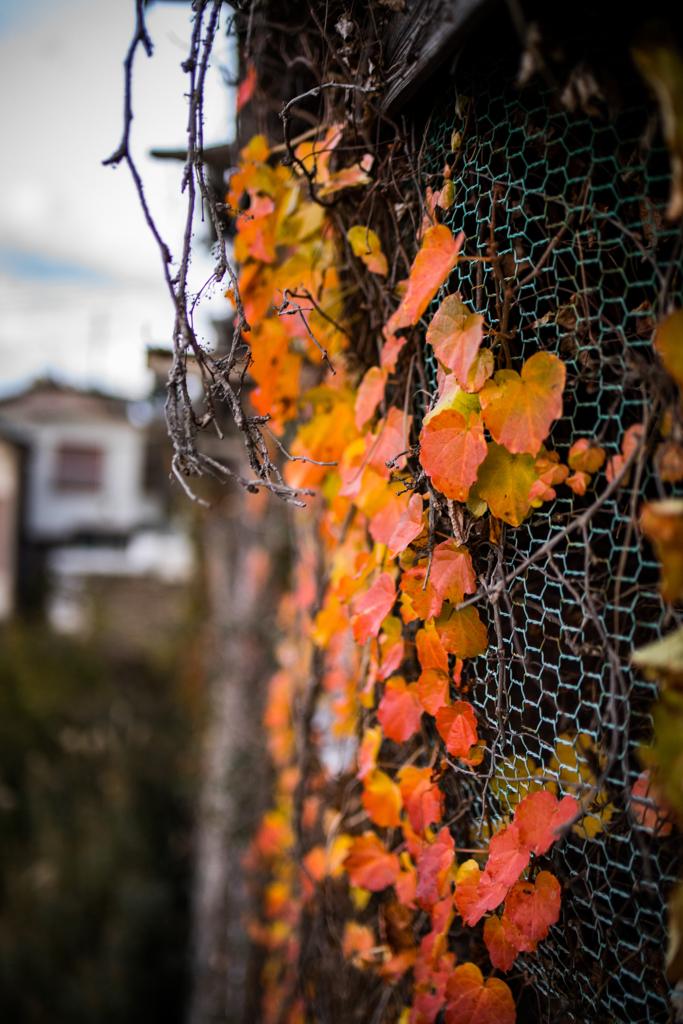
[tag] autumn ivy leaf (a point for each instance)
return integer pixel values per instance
(520, 409)
(370, 865)
(392, 647)
(406, 883)
(422, 798)
(431, 267)
(586, 456)
(370, 394)
(479, 372)
(382, 799)
(629, 443)
(662, 524)
(384, 521)
(462, 633)
(368, 751)
(647, 807)
(365, 244)
(373, 608)
(432, 869)
(430, 650)
(456, 335)
(408, 527)
(358, 938)
(508, 857)
(470, 1000)
(399, 710)
(452, 574)
(457, 727)
(422, 600)
(388, 441)
(452, 449)
(430, 988)
(347, 177)
(540, 819)
(502, 938)
(246, 87)
(504, 481)
(669, 343)
(550, 472)
(669, 460)
(391, 351)
(534, 906)
(432, 689)
(466, 895)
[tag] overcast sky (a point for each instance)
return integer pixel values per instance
(80, 277)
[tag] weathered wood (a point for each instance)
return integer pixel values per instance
(421, 39)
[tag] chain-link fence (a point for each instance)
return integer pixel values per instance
(572, 205)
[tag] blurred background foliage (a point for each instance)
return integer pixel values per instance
(96, 777)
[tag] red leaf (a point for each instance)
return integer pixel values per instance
(470, 1000)
(456, 335)
(452, 574)
(392, 647)
(647, 806)
(388, 442)
(382, 799)
(457, 727)
(463, 633)
(629, 443)
(432, 689)
(246, 87)
(539, 818)
(370, 394)
(508, 857)
(390, 352)
(519, 410)
(373, 608)
(399, 710)
(384, 522)
(408, 527)
(430, 651)
(405, 886)
(369, 865)
(432, 869)
(422, 798)
(430, 988)
(499, 937)
(452, 450)
(534, 907)
(431, 267)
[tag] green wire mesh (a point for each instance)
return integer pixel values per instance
(595, 191)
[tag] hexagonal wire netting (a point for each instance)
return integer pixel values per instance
(593, 191)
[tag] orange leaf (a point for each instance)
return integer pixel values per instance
(423, 601)
(368, 751)
(358, 938)
(662, 524)
(586, 456)
(647, 807)
(391, 647)
(456, 336)
(470, 1000)
(670, 462)
(457, 727)
(467, 891)
(408, 527)
(384, 522)
(399, 710)
(388, 442)
(431, 267)
(499, 936)
(452, 574)
(463, 633)
(430, 651)
(519, 410)
(406, 883)
(422, 798)
(430, 988)
(578, 482)
(504, 481)
(373, 608)
(669, 343)
(246, 87)
(370, 394)
(629, 444)
(390, 352)
(534, 906)
(432, 689)
(452, 449)
(540, 819)
(368, 247)
(432, 870)
(348, 177)
(369, 865)
(382, 799)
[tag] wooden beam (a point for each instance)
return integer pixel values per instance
(421, 39)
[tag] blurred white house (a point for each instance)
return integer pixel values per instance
(88, 511)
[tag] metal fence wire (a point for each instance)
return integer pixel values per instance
(587, 192)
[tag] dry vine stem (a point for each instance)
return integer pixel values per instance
(223, 378)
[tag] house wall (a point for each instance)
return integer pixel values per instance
(118, 507)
